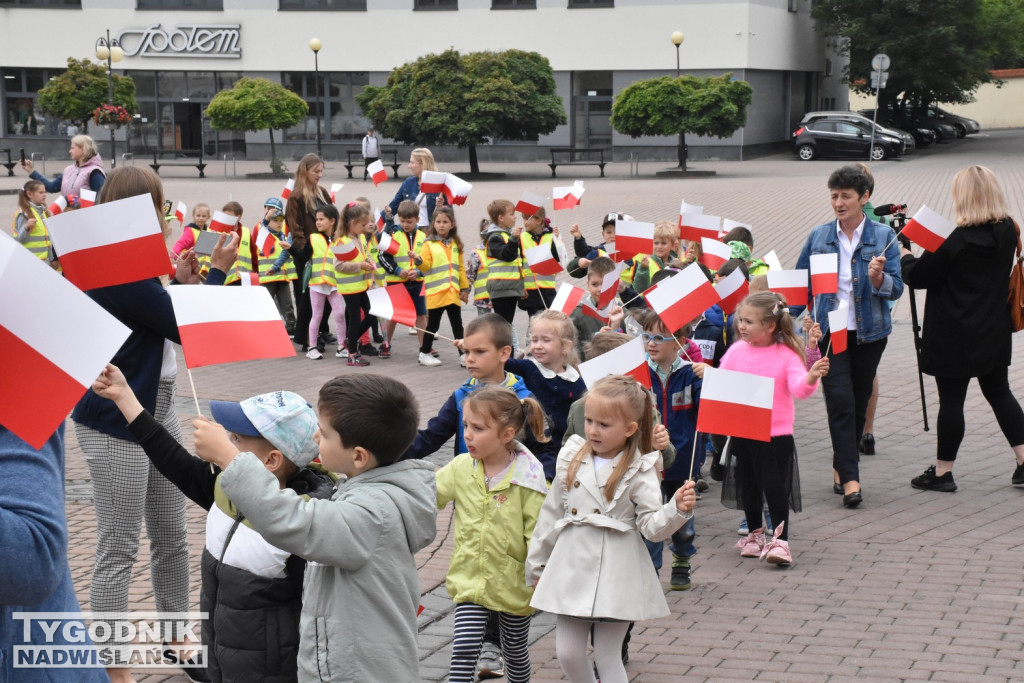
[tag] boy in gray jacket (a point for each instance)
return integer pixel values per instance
(361, 590)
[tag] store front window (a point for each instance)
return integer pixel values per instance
(22, 115)
(342, 120)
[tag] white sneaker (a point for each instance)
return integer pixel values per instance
(314, 354)
(341, 353)
(412, 331)
(462, 360)
(427, 359)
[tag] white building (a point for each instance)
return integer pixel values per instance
(181, 52)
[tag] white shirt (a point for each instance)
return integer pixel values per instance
(371, 148)
(847, 246)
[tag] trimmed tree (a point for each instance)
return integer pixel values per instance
(466, 100)
(671, 105)
(254, 104)
(75, 94)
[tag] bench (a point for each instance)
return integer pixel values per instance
(577, 156)
(10, 164)
(355, 158)
(181, 157)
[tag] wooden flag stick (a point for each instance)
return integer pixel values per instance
(682, 348)
(693, 456)
(195, 397)
(434, 334)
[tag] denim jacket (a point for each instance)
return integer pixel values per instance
(873, 320)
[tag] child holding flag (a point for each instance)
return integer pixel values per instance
(540, 289)
(441, 262)
(29, 227)
(353, 277)
(276, 268)
(322, 283)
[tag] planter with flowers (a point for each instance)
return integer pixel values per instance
(111, 116)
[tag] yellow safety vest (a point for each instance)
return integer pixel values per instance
(352, 283)
(504, 270)
(371, 246)
(445, 272)
(404, 256)
(322, 261)
(38, 241)
(287, 272)
(480, 284)
(530, 279)
(243, 264)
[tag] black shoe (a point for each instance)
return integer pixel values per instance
(701, 485)
(837, 489)
(867, 444)
(321, 347)
(929, 482)
(680, 580)
(1018, 476)
(368, 350)
(717, 471)
(852, 500)
(378, 338)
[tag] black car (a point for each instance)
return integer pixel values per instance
(835, 137)
(922, 136)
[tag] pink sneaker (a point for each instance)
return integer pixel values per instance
(776, 551)
(752, 545)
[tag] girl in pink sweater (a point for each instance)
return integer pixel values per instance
(767, 345)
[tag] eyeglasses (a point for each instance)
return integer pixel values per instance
(656, 338)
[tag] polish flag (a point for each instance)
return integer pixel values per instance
(288, 187)
(541, 261)
(377, 172)
(714, 253)
(568, 197)
(86, 198)
(334, 192)
(567, 298)
(728, 224)
(228, 324)
(529, 203)
(587, 307)
(629, 359)
(179, 212)
(349, 251)
(223, 222)
(838, 325)
(736, 404)
(431, 182)
(42, 376)
(790, 284)
(682, 297)
(693, 226)
(249, 279)
(928, 229)
(58, 206)
(689, 208)
(824, 273)
(634, 237)
(771, 259)
(387, 244)
(116, 243)
(265, 242)
(393, 303)
(380, 219)
(732, 289)
(609, 287)
(456, 190)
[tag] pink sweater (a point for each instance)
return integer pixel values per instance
(783, 365)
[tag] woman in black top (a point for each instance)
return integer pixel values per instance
(966, 308)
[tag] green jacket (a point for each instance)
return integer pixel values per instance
(492, 531)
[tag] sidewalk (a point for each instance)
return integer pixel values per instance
(911, 586)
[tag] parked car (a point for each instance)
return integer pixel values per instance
(922, 136)
(943, 129)
(856, 117)
(963, 125)
(840, 137)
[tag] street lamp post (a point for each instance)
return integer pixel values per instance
(315, 46)
(677, 39)
(108, 49)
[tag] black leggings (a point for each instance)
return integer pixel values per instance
(764, 468)
(357, 319)
(434, 316)
(996, 389)
(505, 307)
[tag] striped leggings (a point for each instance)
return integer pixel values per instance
(470, 621)
(127, 488)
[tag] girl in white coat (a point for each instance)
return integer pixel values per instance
(587, 557)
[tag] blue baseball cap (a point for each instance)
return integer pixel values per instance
(283, 418)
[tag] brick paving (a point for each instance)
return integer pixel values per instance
(911, 586)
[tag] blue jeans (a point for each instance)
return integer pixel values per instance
(682, 540)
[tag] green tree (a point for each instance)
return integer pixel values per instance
(257, 104)
(466, 100)
(75, 94)
(670, 105)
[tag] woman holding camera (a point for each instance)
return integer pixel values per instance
(85, 171)
(967, 285)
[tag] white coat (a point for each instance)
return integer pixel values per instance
(587, 552)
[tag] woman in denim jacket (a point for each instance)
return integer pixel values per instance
(869, 277)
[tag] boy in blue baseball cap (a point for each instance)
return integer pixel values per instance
(276, 268)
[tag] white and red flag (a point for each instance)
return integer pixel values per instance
(732, 289)
(348, 251)
(115, 243)
(682, 297)
(689, 208)
(377, 172)
(567, 298)
(714, 254)
(728, 224)
(249, 279)
(42, 375)
(693, 226)
(288, 187)
(771, 259)
(228, 324)
(393, 303)
(265, 241)
(838, 327)
(736, 404)
(928, 229)
(86, 198)
(567, 197)
(791, 285)
(456, 190)
(634, 237)
(388, 244)
(432, 182)
(824, 274)
(629, 359)
(179, 212)
(380, 219)
(334, 192)
(541, 261)
(610, 287)
(58, 206)
(587, 307)
(529, 203)
(223, 222)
